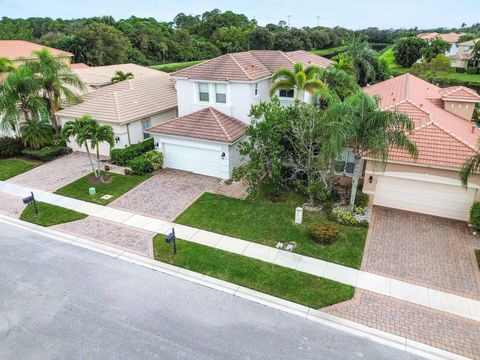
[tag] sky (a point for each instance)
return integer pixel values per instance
(347, 13)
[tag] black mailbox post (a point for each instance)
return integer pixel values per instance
(171, 238)
(31, 200)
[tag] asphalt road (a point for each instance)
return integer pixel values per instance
(58, 301)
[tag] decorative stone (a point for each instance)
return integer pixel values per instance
(290, 246)
(280, 245)
(106, 197)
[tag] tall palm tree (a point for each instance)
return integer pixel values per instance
(121, 76)
(470, 166)
(102, 133)
(301, 79)
(20, 97)
(5, 65)
(58, 82)
(81, 131)
(374, 131)
(37, 132)
(364, 60)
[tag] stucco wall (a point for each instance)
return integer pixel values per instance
(462, 109)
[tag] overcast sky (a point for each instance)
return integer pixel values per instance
(354, 14)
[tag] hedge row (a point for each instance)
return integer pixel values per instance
(123, 156)
(47, 153)
(10, 147)
(150, 161)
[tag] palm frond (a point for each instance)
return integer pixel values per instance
(281, 85)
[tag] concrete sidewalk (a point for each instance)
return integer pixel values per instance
(401, 290)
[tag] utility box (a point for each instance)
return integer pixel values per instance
(92, 191)
(298, 215)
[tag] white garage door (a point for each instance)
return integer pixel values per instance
(443, 200)
(197, 160)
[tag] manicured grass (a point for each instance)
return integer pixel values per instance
(49, 215)
(330, 51)
(171, 67)
(275, 280)
(118, 185)
(388, 56)
(12, 167)
(266, 222)
(477, 253)
(473, 78)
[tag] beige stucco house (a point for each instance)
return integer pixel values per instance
(445, 137)
(464, 56)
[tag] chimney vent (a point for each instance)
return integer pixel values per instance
(473, 128)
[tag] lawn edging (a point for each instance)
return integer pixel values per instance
(379, 336)
(49, 214)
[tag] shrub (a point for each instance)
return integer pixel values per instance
(146, 163)
(326, 234)
(239, 172)
(460, 70)
(47, 153)
(361, 199)
(475, 215)
(346, 217)
(10, 146)
(123, 156)
(472, 70)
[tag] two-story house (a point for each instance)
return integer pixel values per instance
(214, 100)
(451, 38)
(464, 57)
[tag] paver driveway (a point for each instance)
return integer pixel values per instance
(423, 249)
(166, 194)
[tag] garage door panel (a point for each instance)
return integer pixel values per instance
(424, 197)
(197, 160)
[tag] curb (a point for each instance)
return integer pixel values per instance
(382, 337)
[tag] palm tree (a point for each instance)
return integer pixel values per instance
(469, 167)
(5, 65)
(364, 60)
(57, 81)
(374, 132)
(37, 132)
(20, 97)
(81, 131)
(121, 76)
(340, 82)
(102, 133)
(301, 79)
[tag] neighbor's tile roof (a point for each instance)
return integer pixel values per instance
(469, 42)
(102, 75)
(14, 49)
(249, 65)
(127, 101)
(450, 37)
(79, 66)
(443, 138)
(206, 124)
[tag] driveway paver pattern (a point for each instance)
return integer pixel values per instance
(168, 193)
(11, 205)
(432, 327)
(119, 236)
(424, 250)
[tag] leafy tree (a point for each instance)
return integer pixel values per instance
(20, 97)
(232, 39)
(57, 81)
(340, 82)
(408, 50)
(433, 70)
(374, 132)
(37, 133)
(121, 76)
(301, 79)
(433, 48)
(261, 39)
(472, 165)
(100, 134)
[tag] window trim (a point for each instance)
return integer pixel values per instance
(145, 134)
(217, 93)
(255, 89)
(203, 92)
(287, 91)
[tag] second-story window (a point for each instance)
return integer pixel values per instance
(220, 93)
(203, 93)
(286, 93)
(145, 126)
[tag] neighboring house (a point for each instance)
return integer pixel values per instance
(464, 56)
(129, 107)
(100, 76)
(79, 66)
(214, 102)
(445, 137)
(451, 38)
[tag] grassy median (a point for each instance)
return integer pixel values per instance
(13, 167)
(288, 284)
(49, 215)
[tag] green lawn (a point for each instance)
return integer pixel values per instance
(12, 167)
(388, 56)
(267, 222)
(118, 185)
(330, 51)
(49, 215)
(288, 284)
(171, 67)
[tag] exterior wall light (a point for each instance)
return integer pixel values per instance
(223, 155)
(117, 139)
(370, 179)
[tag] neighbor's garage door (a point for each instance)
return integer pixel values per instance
(197, 160)
(443, 200)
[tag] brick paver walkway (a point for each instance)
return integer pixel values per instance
(112, 234)
(11, 205)
(422, 249)
(168, 193)
(432, 327)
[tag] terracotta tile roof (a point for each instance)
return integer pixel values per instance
(469, 42)
(205, 124)
(443, 138)
(459, 93)
(79, 66)
(450, 37)
(249, 65)
(127, 101)
(102, 75)
(14, 49)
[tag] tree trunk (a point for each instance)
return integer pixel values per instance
(52, 112)
(98, 161)
(355, 178)
(90, 158)
(331, 178)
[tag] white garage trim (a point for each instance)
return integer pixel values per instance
(433, 198)
(425, 177)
